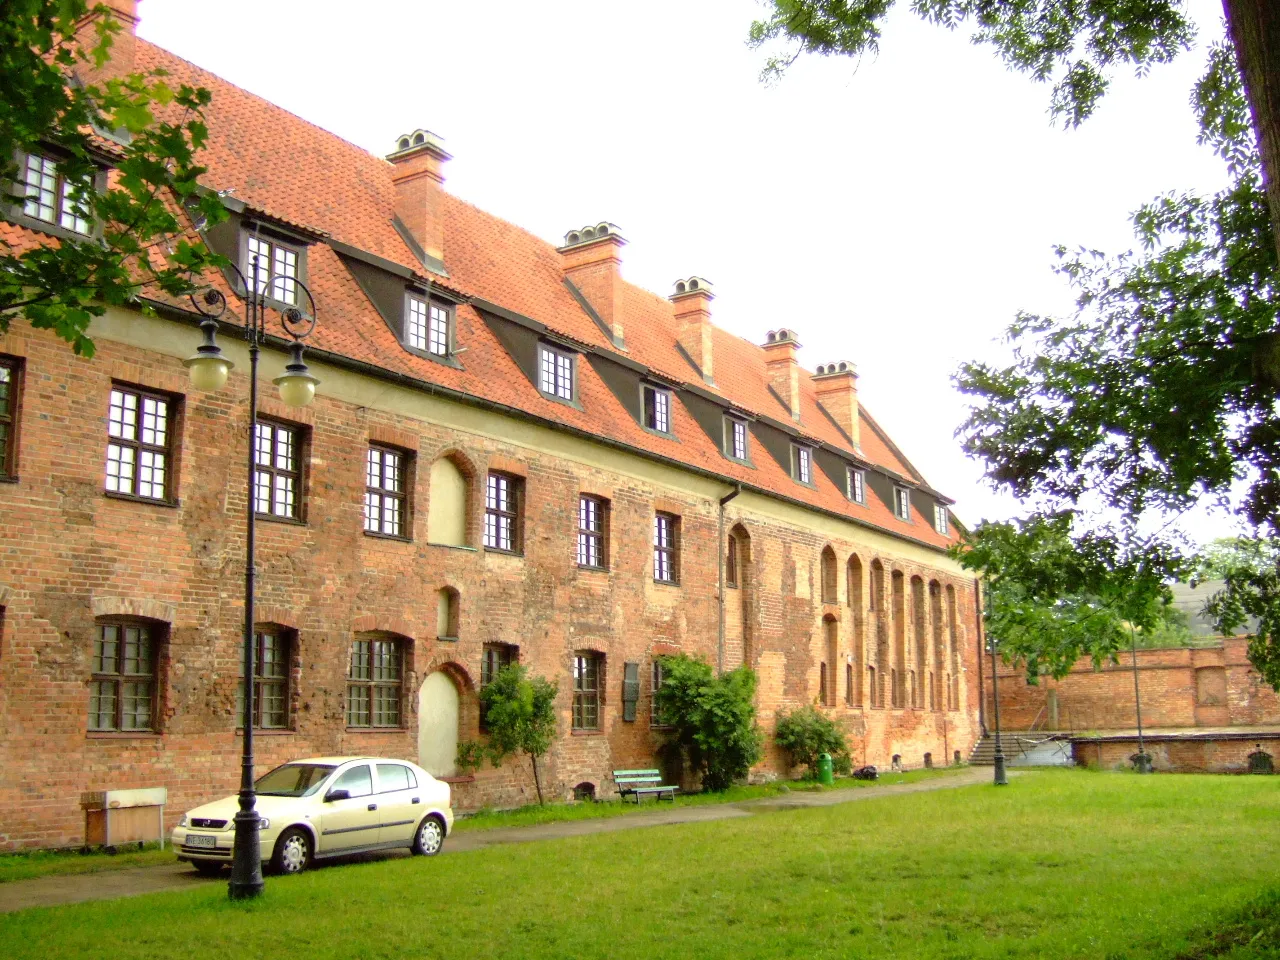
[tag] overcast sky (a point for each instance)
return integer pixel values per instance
(895, 212)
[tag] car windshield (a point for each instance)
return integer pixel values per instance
(294, 780)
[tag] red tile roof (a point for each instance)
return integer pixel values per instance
(295, 172)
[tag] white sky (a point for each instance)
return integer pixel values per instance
(896, 213)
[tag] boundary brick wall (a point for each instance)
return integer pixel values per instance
(1181, 687)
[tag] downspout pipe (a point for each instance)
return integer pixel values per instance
(720, 564)
(982, 698)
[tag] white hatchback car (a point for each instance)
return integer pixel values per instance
(325, 807)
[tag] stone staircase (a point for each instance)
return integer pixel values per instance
(984, 751)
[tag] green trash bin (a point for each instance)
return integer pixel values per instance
(824, 769)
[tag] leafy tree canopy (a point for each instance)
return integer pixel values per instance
(520, 716)
(1073, 45)
(59, 101)
(1054, 594)
(1250, 569)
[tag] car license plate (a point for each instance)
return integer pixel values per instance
(201, 840)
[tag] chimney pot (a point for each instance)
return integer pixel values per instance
(592, 263)
(691, 305)
(418, 176)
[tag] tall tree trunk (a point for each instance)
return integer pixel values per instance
(536, 782)
(1254, 26)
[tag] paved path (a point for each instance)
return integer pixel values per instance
(133, 881)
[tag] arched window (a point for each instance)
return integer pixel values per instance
(856, 596)
(831, 631)
(921, 652)
(898, 689)
(449, 507)
(828, 575)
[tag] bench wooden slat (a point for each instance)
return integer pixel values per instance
(637, 783)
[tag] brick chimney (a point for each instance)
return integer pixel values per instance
(418, 176)
(780, 348)
(836, 385)
(124, 42)
(691, 303)
(592, 264)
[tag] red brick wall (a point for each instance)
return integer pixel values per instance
(1208, 755)
(69, 554)
(1180, 687)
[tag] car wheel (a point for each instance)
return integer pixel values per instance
(207, 868)
(293, 851)
(429, 838)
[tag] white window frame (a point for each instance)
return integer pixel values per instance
(857, 485)
(278, 278)
(902, 503)
(941, 522)
(661, 408)
(731, 427)
(802, 464)
(428, 325)
(552, 382)
(49, 198)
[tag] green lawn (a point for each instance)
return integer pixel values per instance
(1059, 864)
(24, 866)
(556, 812)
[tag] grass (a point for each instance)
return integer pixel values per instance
(1059, 864)
(527, 816)
(43, 863)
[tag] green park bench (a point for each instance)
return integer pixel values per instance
(640, 783)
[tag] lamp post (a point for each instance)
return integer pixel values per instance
(1001, 777)
(208, 369)
(1142, 759)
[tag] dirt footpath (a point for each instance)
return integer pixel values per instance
(133, 881)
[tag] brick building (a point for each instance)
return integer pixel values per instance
(513, 453)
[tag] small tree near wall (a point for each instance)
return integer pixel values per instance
(713, 719)
(808, 732)
(520, 714)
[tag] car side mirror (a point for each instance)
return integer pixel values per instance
(333, 795)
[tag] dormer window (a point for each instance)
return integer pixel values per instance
(735, 439)
(657, 408)
(428, 326)
(556, 372)
(857, 485)
(278, 265)
(902, 503)
(802, 464)
(50, 197)
(941, 520)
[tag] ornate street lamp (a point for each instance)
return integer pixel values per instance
(1001, 777)
(208, 369)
